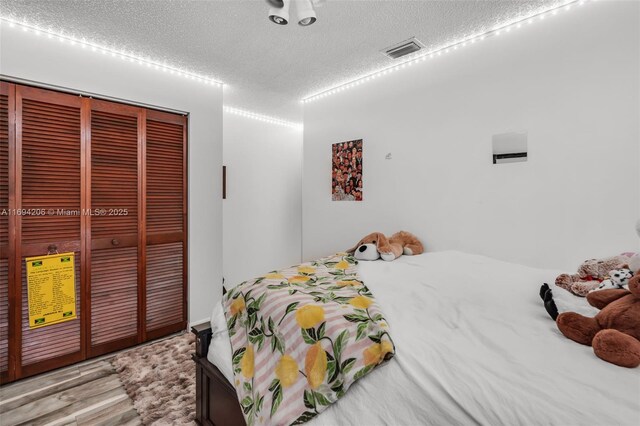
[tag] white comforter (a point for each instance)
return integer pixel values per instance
(485, 352)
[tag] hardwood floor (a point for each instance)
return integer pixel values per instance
(88, 393)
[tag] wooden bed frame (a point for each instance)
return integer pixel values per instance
(216, 399)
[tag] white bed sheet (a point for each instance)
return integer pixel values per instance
(485, 352)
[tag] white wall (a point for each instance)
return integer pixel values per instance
(263, 209)
(570, 81)
(27, 56)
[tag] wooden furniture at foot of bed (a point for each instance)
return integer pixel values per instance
(216, 399)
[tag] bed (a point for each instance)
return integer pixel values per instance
(486, 353)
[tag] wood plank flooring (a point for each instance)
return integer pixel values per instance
(88, 393)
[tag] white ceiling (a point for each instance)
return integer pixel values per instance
(269, 68)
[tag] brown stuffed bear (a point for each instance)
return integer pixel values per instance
(614, 332)
(590, 274)
(376, 245)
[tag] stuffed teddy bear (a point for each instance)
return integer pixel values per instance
(618, 278)
(614, 333)
(590, 274)
(376, 245)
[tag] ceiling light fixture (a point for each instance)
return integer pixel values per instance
(279, 11)
(306, 13)
(101, 49)
(279, 14)
(260, 117)
(505, 28)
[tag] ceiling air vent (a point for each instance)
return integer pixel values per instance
(403, 48)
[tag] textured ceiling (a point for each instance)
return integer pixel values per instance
(269, 68)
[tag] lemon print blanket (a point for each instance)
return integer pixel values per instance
(301, 337)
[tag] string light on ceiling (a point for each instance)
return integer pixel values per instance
(129, 57)
(108, 51)
(263, 118)
(497, 31)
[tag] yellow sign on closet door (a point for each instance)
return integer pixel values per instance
(51, 289)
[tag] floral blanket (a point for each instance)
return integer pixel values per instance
(301, 337)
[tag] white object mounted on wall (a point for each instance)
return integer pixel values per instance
(509, 148)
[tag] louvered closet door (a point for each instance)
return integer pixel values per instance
(48, 177)
(165, 223)
(107, 182)
(113, 226)
(4, 231)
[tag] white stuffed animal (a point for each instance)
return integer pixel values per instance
(618, 278)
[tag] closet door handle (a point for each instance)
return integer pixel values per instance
(115, 242)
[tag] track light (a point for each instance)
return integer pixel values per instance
(279, 15)
(279, 11)
(306, 13)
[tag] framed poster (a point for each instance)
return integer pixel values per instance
(346, 171)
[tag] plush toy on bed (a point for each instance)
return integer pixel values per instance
(633, 259)
(563, 301)
(590, 274)
(376, 245)
(618, 278)
(614, 332)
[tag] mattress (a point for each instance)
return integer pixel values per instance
(484, 351)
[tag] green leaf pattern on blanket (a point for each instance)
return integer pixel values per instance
(333, 310)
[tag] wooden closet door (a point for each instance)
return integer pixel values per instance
(166, 223)
(107, 182)
(4, 231)
(47, 176)
(115, 142)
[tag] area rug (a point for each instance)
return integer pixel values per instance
(160, 378)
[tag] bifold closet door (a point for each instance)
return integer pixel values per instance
(166, 223)
(114, 150)
(4, 231)
(48, 192)
(105, 181)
